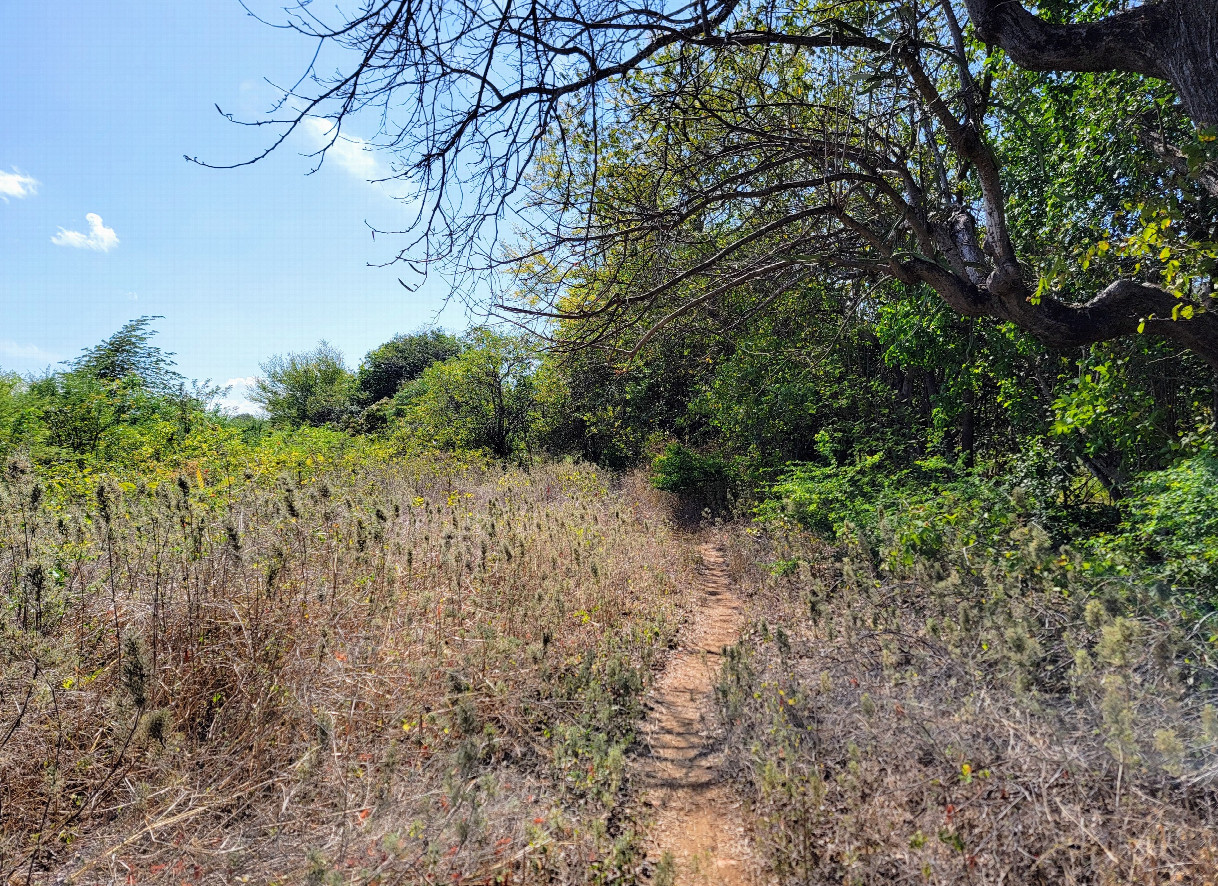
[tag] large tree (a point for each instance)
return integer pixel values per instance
(1174, 40)
(309, 388)
(400, 360)
(657, 157)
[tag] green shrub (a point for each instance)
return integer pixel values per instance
(679, 469)
(1170, 530)
(707, 482)
(824, 499)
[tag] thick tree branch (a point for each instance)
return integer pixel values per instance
(1174, 40)
(1122, 309)
(1206, 175)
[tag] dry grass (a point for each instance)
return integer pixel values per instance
(1004, 724)
(394, 674)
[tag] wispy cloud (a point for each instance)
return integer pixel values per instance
(17, 184)
(352, 154)
(100, 238)
(32, 353)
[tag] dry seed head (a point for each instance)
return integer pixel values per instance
(1209, 724)
(35, 577)
(157, 726)
(18, 468)
(135, 671)
(1117, 641)
(1095, 615)
(1171, 749)
(103, 502)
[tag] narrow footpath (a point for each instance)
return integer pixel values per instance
(697, 818)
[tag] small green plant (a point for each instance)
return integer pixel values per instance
(665, 873)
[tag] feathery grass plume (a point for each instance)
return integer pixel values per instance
(102, 496)
(289, 503)
(157, 726)
(232, 537)
(325, 725)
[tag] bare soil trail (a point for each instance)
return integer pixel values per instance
(697, 817)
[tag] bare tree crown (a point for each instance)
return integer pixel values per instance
(649, 160)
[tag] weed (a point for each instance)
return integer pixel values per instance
(427, 670)
(979, 709)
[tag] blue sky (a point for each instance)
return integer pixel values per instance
(102, 220)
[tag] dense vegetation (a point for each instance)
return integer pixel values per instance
(1014, 580)
(397, 625)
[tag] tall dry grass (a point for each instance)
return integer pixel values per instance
(968, 719)
(413, 673)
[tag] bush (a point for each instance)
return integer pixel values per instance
(825, 499)
(961, 700)
(310, 388)
(1171, 528)
(481, 399)
(705, 481)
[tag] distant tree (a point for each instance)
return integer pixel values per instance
(76, 410)
(123, 383)
(309, 388)
(130, 354)
(12, 390)
(400, 360)
(481, 399)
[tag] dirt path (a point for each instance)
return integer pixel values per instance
(697, 819)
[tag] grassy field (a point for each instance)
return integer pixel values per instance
(375, 673)
(352, 669)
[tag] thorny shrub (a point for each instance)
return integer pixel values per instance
(368, 673)
(973, 708)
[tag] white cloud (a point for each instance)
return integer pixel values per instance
(14, 351)
(17, 184)
(237, 400)
(354, 155)
(100, 238)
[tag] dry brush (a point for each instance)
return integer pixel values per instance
(416, 672)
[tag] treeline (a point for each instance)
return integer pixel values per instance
(812, 388)
(815, 384)
(827, 415)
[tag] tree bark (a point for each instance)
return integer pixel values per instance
(968, 430)
(1173, 40)
(1125, 307)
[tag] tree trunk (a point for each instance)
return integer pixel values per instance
(1173, 40)
(968, 431)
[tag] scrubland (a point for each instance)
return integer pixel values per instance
(357, 672)
(975, 704)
